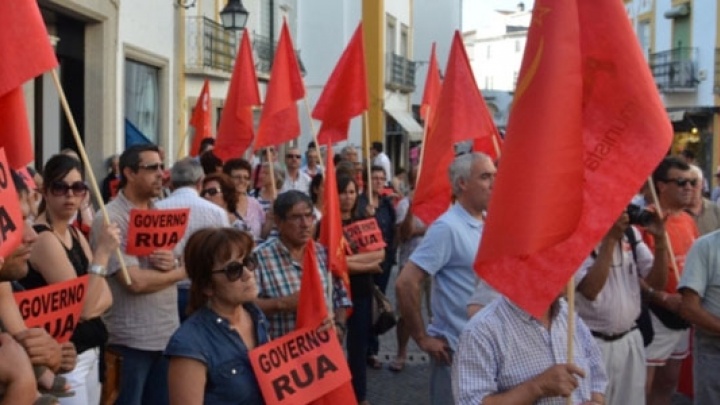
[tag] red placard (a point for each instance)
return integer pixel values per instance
(299, 367)
(11, 217)
(365, 235)
(152, 230)
(56, 307)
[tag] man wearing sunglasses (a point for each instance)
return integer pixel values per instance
(674, 183)
(144, 313)
(295, 179)
(279, 270)
(186, 178)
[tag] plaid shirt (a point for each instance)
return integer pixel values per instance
(279, 275)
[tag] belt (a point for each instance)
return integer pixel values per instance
(612, 338)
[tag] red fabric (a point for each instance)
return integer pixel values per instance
(26, 53)
(681, 232)
(460, 100)
(311, 309)
(489, 147)
(201, 120)
(345, 94)
(26, 49)
(235, 132)
(331, 233)
(279, 122)
(586, 129)
(431, 93)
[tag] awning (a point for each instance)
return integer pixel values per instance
(676, 116)
(406, 120)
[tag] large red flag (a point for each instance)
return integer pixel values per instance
(461, 114)
(235, 132)
(345, 94)
(200, 119)
(431, 93)
(331, 233)
(586, 130)
(26, 53)
(279, 121)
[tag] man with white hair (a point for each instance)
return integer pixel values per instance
(705, 212)
(447, 254)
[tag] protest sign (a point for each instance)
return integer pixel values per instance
(365, 235)
(11, 217)
(152, 230)
(299, 367)
(56, 307)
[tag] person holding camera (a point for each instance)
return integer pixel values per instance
(608, 299)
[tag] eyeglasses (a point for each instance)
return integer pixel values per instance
(290, 156)
(682, 182)
(380, 178)
(152, 167)
(212, 192)
(234, 270)
(60, 188)
(300, 217)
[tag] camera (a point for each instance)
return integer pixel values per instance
(639, 216)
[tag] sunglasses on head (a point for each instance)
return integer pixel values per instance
(212, 192)
(291, 155)
(234, 270)
(60, 188)
(682, 182)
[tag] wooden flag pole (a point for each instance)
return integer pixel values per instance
(271, 168)
(366, 135)
(312, 124)
(86, 162)
(571, 326)
(495, 144)
(181, 147)
(656, 201)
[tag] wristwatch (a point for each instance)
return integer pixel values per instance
(98, 270)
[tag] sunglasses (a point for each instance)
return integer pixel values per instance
(682, 182)
(212, 192)
(234, 270)
(59, 188)
(152, 167)
(290, 155)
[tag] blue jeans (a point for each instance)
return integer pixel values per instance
(143, 377)
(357, 344)
(440, 383)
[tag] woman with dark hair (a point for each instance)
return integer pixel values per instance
(209, 353)
(61, 253)
(249, 210)
(362, 266)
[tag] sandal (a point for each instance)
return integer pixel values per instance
(397, 365)
(374, 363)
(59, 388)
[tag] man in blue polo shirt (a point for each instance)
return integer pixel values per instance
(447, 254)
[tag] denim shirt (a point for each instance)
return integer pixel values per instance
(208, 338)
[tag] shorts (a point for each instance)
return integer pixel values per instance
(667, 344)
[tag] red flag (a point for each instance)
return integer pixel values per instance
(201, 120)
(431, 94)
(235, 132)
(279, 121)
(345, 94)
(586, 130)
(26, 53)
(331, 233)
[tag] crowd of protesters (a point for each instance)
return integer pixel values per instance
(181, 331)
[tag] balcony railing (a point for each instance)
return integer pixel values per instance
(209, 46)
(400, 73)
(264, 54)
(675, 70)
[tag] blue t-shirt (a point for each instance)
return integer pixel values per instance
(207, 338)
(447, 254)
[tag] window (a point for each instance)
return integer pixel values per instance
(404, 40)
(390, 35)
(142, 98)
(643, 34)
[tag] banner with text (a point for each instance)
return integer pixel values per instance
(152, 230)
(56, 307)
(11, 217)
(300, 367)
(365, 235)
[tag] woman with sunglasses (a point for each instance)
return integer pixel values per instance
(209, 353)
(61, 253)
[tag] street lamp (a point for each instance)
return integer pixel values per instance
(234, 16)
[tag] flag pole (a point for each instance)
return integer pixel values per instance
(312, 124)
(366, 136)
(86, 162)
(571, 326)
(271, 167)
(426, 129)
(495, 144)
(656, 201)
(181, 147)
